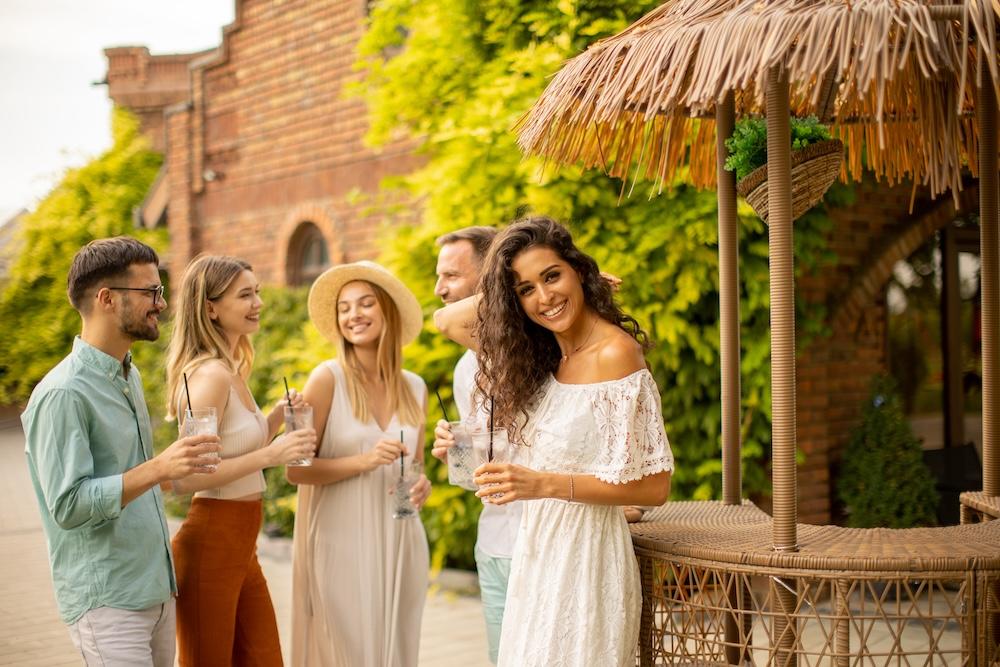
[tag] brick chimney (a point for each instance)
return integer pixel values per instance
(147, 84)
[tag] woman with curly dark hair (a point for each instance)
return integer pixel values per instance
(563, 367)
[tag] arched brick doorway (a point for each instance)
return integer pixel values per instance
(308, 255)
(834, 371)
(308, 244)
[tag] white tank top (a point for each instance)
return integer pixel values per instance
(241, 432)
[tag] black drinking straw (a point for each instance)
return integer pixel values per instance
(401, 469)
(187, 393)
(490, 457)
(288, 396)
(441, 404)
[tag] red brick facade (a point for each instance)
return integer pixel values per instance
(262, 138)
(834, 373)
(148, 84)
(260, 142)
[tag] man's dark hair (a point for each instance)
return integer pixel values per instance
(480, 237)
(103, 259)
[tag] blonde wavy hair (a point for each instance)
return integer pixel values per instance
(196, 337)
(389, 357)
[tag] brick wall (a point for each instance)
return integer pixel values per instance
(834, 373)
(267, 139)
(281, 139)
(148, 84)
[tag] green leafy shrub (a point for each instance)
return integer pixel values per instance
(883, 479)
(37, 322)
(748, 145)
(455, 76)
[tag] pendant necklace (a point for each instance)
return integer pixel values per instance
(586, 340)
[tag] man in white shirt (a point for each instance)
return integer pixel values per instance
(459, 263)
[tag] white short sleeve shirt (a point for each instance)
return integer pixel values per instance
(498, 524)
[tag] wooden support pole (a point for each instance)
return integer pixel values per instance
(729, 310)
(782, 286)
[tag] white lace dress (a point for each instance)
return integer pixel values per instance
(574, 596)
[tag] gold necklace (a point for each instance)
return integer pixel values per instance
(586, 340)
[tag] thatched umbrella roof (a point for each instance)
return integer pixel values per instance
(899, 79)
(897, 84)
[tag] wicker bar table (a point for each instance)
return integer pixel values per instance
(864, 596)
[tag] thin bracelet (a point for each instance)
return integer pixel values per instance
(571, 488)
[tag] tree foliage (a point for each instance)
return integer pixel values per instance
(454, 76)
(37, 323)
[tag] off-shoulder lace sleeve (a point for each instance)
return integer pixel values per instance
(632, 440)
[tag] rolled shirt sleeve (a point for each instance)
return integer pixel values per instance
(58, 444)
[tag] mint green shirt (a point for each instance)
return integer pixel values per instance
(85, 425)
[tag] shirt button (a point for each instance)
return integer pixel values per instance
(126, 391)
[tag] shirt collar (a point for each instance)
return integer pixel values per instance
(101, 360)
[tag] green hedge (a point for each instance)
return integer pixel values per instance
(37, 323)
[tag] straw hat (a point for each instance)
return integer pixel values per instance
(324, 292)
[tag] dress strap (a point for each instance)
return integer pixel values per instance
(341, 404)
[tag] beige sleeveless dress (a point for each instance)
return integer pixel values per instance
(359, 576)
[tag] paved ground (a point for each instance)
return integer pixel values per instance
(32, 634)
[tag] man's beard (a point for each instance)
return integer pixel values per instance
(455, 297)
(139, 328)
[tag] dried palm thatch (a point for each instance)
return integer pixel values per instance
(897, 85)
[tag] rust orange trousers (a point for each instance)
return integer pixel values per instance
(224, 611)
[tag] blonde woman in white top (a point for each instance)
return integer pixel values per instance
(224, 610)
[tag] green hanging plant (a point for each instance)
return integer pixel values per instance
(748, 145)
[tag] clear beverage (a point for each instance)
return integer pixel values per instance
(202, 421)
(404, 476)
(462, 460)
(485, 444)
(297, 419)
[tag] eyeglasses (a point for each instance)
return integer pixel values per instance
(157, 292)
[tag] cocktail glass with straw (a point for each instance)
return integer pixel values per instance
(202, 421)
(297, 419)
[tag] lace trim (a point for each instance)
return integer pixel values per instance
(624, 418)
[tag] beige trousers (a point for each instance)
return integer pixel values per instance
(113, 637)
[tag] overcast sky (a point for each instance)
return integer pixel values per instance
(51, 51)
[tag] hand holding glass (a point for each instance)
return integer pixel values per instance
(482, 443)
(403, 481)
(202, 421)
(297, 418)
(462, 460)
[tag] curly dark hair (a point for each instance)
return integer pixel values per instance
(517, 355)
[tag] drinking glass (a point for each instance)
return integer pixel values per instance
(404, 475)
(482, 443)
(297, 419)
(202, 421)
(462, 460)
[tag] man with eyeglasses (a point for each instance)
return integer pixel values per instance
(89, 446)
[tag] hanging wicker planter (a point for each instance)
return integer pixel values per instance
(814, 169)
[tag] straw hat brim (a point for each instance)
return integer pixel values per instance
(324, 292)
